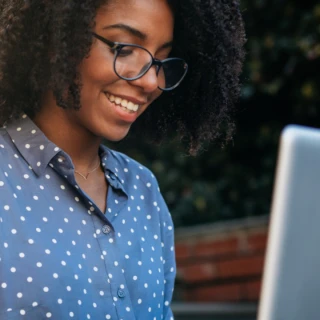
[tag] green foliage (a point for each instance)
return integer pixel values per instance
(280, 86)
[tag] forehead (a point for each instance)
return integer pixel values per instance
(145, 15)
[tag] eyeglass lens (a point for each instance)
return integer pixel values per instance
(132, 62)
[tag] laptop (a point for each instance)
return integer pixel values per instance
(291, 278)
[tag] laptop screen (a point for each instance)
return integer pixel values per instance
(291, 279)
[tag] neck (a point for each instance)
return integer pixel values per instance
(63, 128)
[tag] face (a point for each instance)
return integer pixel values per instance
(148, 23)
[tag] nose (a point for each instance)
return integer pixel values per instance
(148, 82)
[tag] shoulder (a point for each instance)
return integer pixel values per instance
(129, 169)
(136, 177)
(140, 182)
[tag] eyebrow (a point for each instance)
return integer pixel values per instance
(135, 32)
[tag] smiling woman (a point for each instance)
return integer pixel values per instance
(85, 232)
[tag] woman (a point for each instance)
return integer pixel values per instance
(85, 232)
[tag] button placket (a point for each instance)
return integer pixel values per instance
(106, 229)
(121, 293)
(117, 281)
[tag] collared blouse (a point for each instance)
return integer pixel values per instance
(60, 256)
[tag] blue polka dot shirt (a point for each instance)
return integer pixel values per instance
(60, 256)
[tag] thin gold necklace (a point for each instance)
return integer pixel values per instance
(85, 177)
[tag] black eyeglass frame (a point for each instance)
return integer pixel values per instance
(117, 46)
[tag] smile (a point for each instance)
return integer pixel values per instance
(130, 106)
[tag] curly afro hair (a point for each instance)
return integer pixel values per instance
(42, 42)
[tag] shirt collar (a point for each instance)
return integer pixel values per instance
(38, 151)
(31, 142)
(116, 169)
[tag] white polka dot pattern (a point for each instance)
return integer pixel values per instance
(60, 256)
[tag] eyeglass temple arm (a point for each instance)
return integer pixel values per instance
(111, 44)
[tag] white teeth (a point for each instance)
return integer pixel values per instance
(118, 100)
(130, 106)
(123, 102)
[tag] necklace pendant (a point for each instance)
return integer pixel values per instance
(80, 174)
(85, 177)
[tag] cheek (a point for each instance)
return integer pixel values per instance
(96, 69)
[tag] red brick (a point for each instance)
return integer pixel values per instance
(197, 272)
(216, 247)
(251, 290)
(225, 292)
(257, 242)
(246, 266)
(182, 251)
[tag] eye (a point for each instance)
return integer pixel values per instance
(124, 52)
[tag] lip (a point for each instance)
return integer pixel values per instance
(132, 99)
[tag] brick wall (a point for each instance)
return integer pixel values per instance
(221, 262)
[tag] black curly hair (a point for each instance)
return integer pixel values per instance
(42, 42)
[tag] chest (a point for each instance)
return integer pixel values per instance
(96, 188)
(64, 252)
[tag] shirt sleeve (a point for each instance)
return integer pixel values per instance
(169, 262)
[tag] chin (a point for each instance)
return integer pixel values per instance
(116, 136)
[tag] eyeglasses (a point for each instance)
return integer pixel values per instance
(132, 62)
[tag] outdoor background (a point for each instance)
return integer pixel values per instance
(220, 200)
(280, 86)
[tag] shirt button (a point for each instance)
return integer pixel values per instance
(121, 293)
(106, 229)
